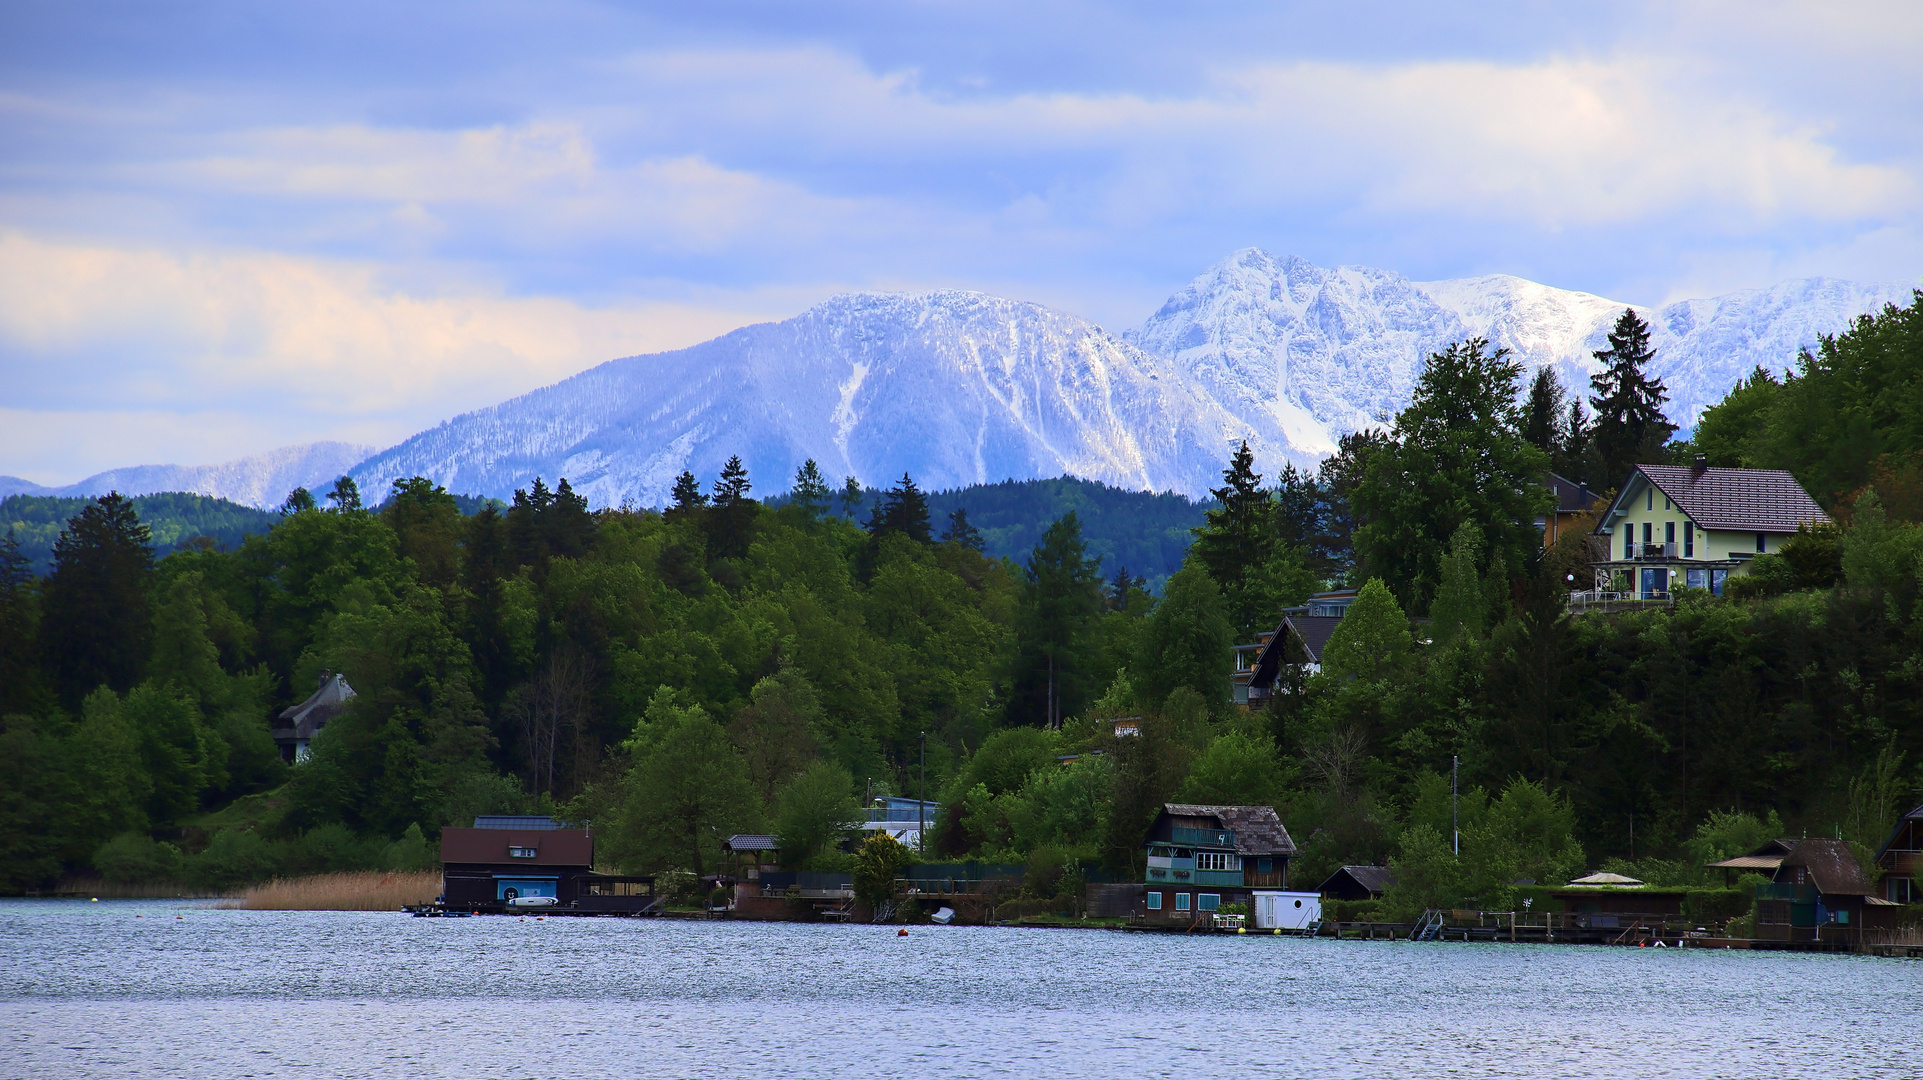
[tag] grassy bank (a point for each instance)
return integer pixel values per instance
(366, 890)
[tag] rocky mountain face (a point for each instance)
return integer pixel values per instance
(1345, 345)
(958, 388)
(261, 481)
(953, 388)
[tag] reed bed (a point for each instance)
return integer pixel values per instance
(367, 890)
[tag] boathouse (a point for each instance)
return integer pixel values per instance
(1610, 900)
(1202, 857)
(1819, 893)
(1358, 883)
(506, 858)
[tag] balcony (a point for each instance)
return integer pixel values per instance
(1215, 838)
(1652, 551)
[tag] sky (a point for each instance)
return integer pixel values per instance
(229, 227)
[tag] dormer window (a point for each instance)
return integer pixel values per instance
(522, 853)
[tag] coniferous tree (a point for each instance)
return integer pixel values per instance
(1061, 604)
(346, 496)
(1575, 454)
(730, 520)
(98, 622)
(20, 680)
(687, 496)
(811, 493)
(851, 497)
(1238, 539)
(1543, 414)
(903, 509)
(1630, 426)
(959, 531)
(486, 563)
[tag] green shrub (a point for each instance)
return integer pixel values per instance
(331, 848)
(132, 858)
(236, 857)
(411, 852)
(1713, 907)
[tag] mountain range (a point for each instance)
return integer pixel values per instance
(261, 481)
(958, 388)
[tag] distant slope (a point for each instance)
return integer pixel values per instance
(261, 481)
(1142, 531)
(174, 518)
(954, 388)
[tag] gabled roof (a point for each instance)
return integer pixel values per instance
(1831, 865)
(1740, 500)
(1309, 632)
(1258, 831)
(1913, 818)
(1606, 880)
(1769, 856)
(1375, 879)
(1572, 497)
(303, 720)
(520, 822)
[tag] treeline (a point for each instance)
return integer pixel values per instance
(728, 665)
(172, 518)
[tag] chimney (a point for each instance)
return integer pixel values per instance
(1701, 466)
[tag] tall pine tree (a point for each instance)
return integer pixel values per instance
(98, 628)
(1055, 628)
(1236, 541)
(1542, 416)
(1630, 426)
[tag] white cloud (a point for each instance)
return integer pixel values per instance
(305, 348)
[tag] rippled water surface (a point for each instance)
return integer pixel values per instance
(138, 989)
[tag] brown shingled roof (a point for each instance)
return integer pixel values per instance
(1832, 867)
(1258, 831)
(1742, 500)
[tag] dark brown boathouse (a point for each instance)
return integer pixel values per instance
(503, 860)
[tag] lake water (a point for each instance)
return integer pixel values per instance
(151, 989)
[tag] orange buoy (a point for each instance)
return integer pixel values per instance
(903, 932)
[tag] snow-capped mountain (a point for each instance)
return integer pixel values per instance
(953, 388)
(263, 480)
(1262, 333)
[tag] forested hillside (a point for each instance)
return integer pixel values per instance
(172, 518)
(728, 665)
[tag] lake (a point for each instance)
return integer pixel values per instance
(159, 989)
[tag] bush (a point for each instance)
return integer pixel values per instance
(132, 858)
(877, 864)
(1712, 907)
(411, 853)
(235, 857)
(331, 849)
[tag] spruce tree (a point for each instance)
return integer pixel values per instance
(1543, 414)
(1060, 609)
(1237, 539)
(1575, 454)
(1630, 426)
(98, 626)
(959, 531)
(730, 519)
(687, 496)
(851, 497)
(810, 494)
(903, 509)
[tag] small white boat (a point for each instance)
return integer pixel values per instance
(532, 902)
(943, 917)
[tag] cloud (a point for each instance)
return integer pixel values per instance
(306, 348)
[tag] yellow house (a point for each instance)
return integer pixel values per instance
(1673, 526)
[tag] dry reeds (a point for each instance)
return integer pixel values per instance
(368, 890)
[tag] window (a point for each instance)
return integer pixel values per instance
(1902, 890)
(521, 853)
(1181, 901)
(1265, 866)
(1208, 901)
(1666, 503)
(1716, 580)
(1689, 539)
(1629, 541)
(1155, 901)
(1762, 542)
(1217, 860)
(1649, 499)
(1649, 533)
(1669, 532)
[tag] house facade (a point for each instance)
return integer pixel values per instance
(504, 859)
(1818, 893)
(294, 729)
(1201, 857)
(1573, 501)
(1296, 640)
(1677, 526)
(1901, 860)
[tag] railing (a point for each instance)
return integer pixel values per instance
(1651, 550)
(900, 816)
(1581, 600)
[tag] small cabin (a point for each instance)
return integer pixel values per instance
(1201, 857)
(505, 858)
(1608, 900)
(1358, 883)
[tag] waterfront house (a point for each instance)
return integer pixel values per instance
(1901, 859)
(1358, 883)
(1672, 526)
(505, 858)
(1297, 641)
(1764, 860)
(1818, 893)
(1201, 857)
(1609, 900)
(297, 725)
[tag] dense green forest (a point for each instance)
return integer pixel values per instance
(172, 518)
(730, 665)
